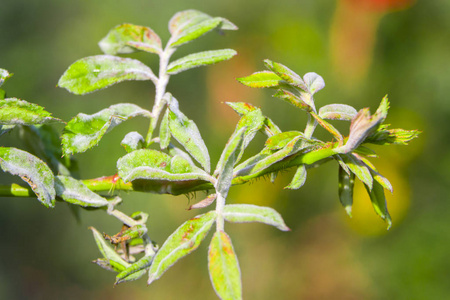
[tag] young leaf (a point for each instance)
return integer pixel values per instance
(263, 79)
(358, 168)
(379, 202)
(132, 141)
(187, 134)
(242, 108)
(32, 170)
(253, 121)
(337, 112)
(385, 136)
(156, 165)
(299, 178)
(4, 76)
(116, 262)
(264, 161)
(199, 59)
(279, 141)
(85, 131)
(127, 38)
(245, 213)
(314, 82)
(20, 112)
(188, 25)
(363, 125)
(94, 73)
(346, 183)
(291, 98)
(286, 74)
(227, 161)
(182, 242)
(164, 131)
(223, 267)
(75, 192)
(134, 271)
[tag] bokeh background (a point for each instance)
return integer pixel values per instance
(364, 49)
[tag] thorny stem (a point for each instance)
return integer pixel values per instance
(105, 184)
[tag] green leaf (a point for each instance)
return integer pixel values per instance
(182, 242)
(2, 94)
(133, 141)
(94, 73)
(243, 108)
(261, 162)
(156, 165)
(245, 213)
(187, 134)
(337, 112)
(263, 79)
(199, 59)
(224, 267)
(286, 74)
(164, 131)
(280, 140)
(227, 161)
(292, 98)
(188, 25)
(4, 76)
(299, 178)
(378, 199)
(75, 192)
(377, 176)
(346, 183)
(135, 271)
(358, 168)
(14, 111)
(314, 82)
(127, 38)
(253, 121)
(116, 262)
(32, 170)
(85, 131)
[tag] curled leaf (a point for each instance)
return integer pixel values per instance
(32, 170)
(85, 131)
(188, 25)
(314, 82)
(75, 192)
(337, 112)
(127, 38)
(204, 203)
(132, 141)
(299, 178)
(346, 183)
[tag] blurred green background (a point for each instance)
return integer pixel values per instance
(363, 51)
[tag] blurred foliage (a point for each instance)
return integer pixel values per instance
(326, 255)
